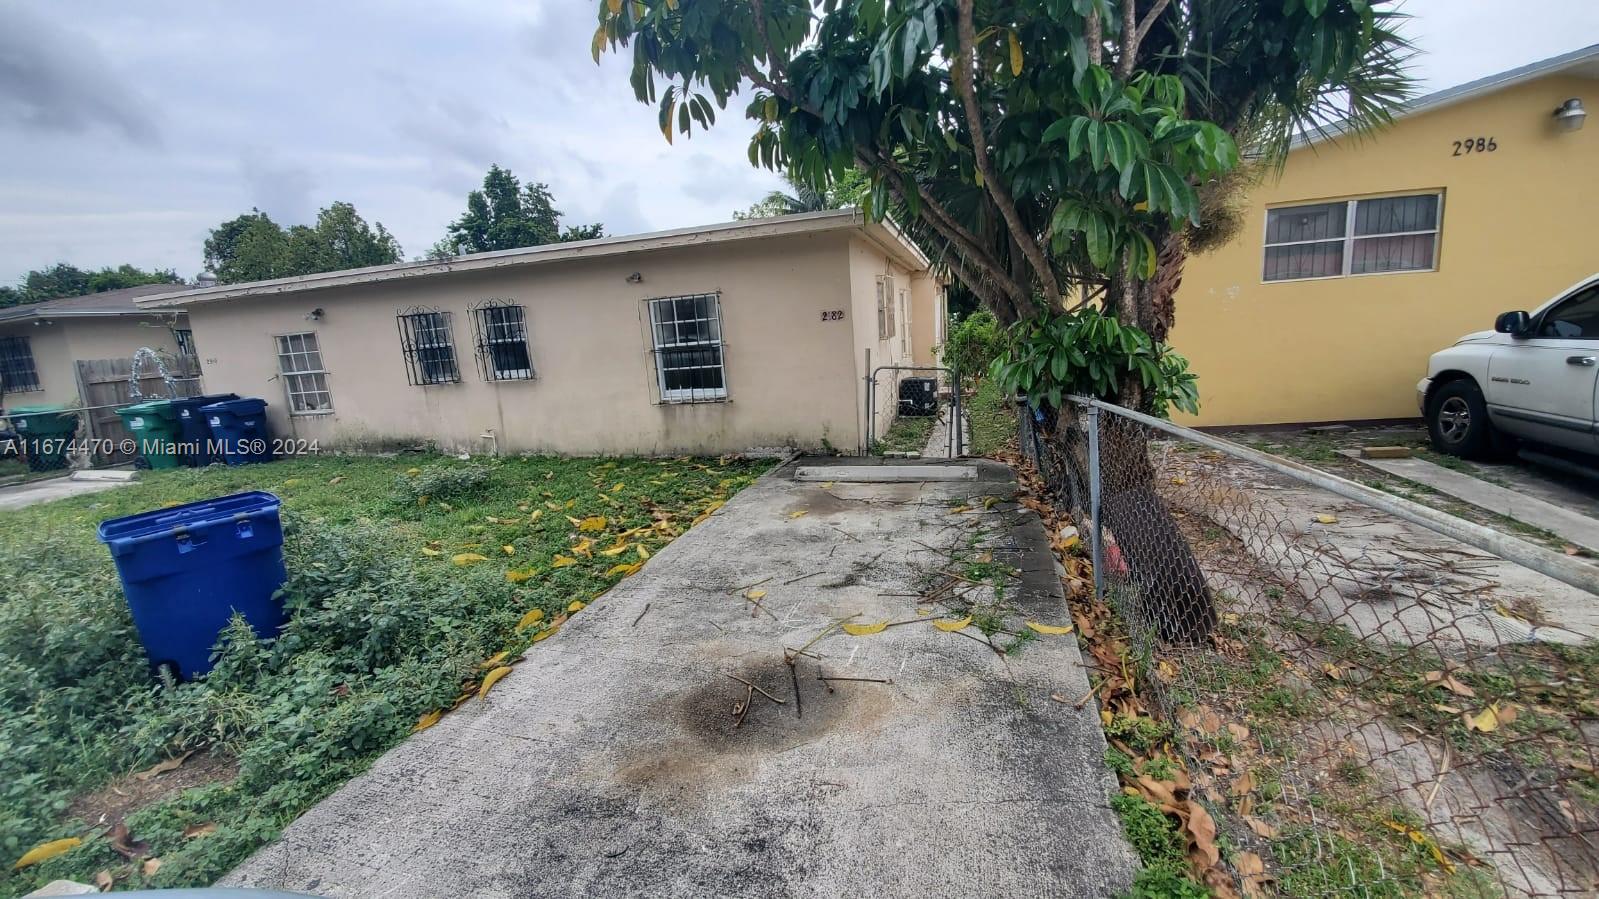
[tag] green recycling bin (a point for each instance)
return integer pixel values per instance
(157, 428)
(45, 432)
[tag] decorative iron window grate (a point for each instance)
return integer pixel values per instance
(500, 331)
(688, 349)
(17, 373)
(429, 349)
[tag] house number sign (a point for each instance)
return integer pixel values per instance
(1469, 145)
(832, 315)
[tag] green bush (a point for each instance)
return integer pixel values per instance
(1089, 353)
(443, 482)
(973, 344)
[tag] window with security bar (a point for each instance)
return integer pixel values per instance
(184, 338)
(17, 373)
(1353, 237)
(688, 348)
(500, 330)
(429, 348)
(305, 380)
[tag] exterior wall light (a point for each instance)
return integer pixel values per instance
(1570, 115)
(635, 278)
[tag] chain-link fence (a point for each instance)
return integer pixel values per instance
(47, 440)
(1369, 697)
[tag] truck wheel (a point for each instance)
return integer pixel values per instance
(1457, 421)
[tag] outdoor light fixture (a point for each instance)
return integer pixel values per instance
(1570, 115)
(315, 315)
(635, 278)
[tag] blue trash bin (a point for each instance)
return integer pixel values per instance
(197, 447)
(241, 426)
(187, 569)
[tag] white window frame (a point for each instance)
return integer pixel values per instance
(295, 378)
(904, 320)
(887, 297)
(1348, 240)
(658, 346)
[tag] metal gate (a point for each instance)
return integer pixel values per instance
(949, 415)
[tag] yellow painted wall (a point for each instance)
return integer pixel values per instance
(1518, 226)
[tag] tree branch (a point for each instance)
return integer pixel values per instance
(966, 84)
(1149, 21)
(1094, 36)
(1133, 34)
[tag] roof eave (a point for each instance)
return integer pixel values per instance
(806, 223)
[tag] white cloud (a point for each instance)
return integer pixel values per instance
(129, 129)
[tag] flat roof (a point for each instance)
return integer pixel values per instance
(884, 234)
(106, 302)
(1583, 62)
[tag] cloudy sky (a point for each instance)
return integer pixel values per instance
(128, 130)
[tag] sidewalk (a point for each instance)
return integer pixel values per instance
(612, 761)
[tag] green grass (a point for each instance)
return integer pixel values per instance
(991, 419)
(1160, 846)
(381, 633)
(908, 434)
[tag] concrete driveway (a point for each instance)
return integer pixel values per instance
(612, 761)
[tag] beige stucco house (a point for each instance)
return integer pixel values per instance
(738, 337)
(41, 344)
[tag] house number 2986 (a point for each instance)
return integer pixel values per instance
(1475, 145)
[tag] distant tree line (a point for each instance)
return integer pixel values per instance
(503, 215)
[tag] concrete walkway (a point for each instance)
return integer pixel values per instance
(609, 762)
(18, 496)
(1568, 523)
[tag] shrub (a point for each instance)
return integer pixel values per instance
(441, 482)
(1089, 353)
(973, 344)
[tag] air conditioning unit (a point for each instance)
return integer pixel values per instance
(918, 396)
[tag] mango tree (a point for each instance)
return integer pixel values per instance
(1057, 157)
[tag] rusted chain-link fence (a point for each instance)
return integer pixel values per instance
(1367, 699)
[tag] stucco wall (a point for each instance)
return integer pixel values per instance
(52, 361)
(868, 263)
(928, 318)
(791, 381)
(1516, 228)
(120, 337)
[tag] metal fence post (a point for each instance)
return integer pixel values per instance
(1096, 542)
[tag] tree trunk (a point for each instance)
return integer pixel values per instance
(1160, 582)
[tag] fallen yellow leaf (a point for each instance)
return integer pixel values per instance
(199, 830)
(959, 509)
(617, 488)
(333, 482)
(544, 633)
(46, 851)
(616, 550)
(562, 561)
(625, 568)
(1053, 630)
(1486, 721)
(508, 549)
(642, 552)
(1326, 519)
(533, 616)
(493, 660)
(468, 558)
(492, 678)
(593, 523)
(427, 721)
(951, 625)
(755, 594)
(576, 605)
(429, 551)
(519, 575)
(828, 485)
(537, 514)
(863, 630)
(413, 472)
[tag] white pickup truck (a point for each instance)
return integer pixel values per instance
(1533, 377)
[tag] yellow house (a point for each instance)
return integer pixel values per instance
(749, 336)
(1366, 255)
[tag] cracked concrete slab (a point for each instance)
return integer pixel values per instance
(609, 762)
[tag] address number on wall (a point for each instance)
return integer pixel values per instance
(1471, 145)
(832, 315)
